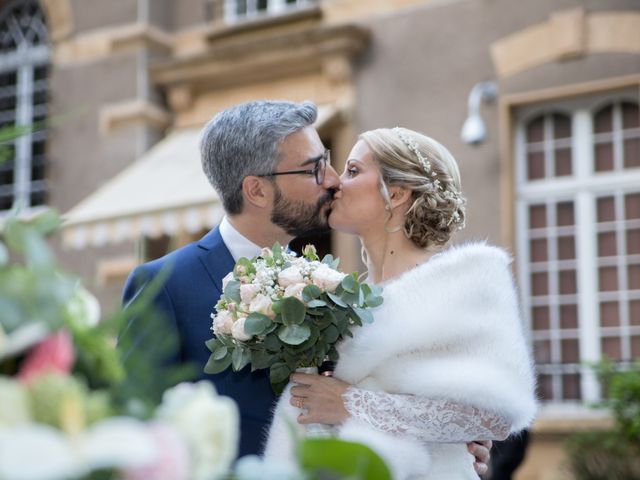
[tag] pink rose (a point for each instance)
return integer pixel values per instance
(222, 323)
(326, 278)
(262, 304)
(295, 290)
(237, 330)
(248, 292)
(290, 276)
(54, 354)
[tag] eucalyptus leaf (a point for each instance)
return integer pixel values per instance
(240, 358)
(310, 292)
(337, 300)
(330, 334)
(232, 291)
(365, 315)
(272, 342)
(349, 284)
(373, 301)
(279, 372)
(316, 303)
(214, 366)
(257, 324)
(294, 334)
(292, 311)
(260, 359)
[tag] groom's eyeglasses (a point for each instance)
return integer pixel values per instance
(318, 170)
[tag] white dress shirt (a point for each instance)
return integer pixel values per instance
(239, 246)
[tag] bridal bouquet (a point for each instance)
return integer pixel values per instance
(282, 312)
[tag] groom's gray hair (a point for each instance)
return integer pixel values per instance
(243, 140)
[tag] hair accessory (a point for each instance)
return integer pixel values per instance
(413, 146)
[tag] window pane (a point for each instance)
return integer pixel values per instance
(564, 214)
(542, 351)
(611, 348)
(633, 241)
(607, 244)
(535, 162)
(571, 386)
(633, 277)
(535, 130)
(632, 206)
(609, 314)
(603, 120)
(537, 216)
(608, 279)
(568, 282)
(539, 284)
(603, 155)
(545, 390)
(38, 198)
(568, 316)
(563, 162)
(570, 351)
(566, 248)
(561, 126)
(634, 312)
(630, 115)
(540, 317)
(632, 153)
(539, 250)
(262, 4)
(606, 209)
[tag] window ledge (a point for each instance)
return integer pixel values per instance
(263, 21)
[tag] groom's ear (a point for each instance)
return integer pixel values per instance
(255, 192)
(399, 195)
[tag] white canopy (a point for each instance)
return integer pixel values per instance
(165, 191)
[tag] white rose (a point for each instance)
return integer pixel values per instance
(326, 278)
(222, 323)
(208, 422)
(248, 292)
(262, 304)
(227, 278)
(290, 276)
(295, 290)
(237, 330)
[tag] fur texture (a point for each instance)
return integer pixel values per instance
(450, 328)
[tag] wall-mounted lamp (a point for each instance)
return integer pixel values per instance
(474, 130)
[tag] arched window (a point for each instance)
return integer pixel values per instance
(24, 56)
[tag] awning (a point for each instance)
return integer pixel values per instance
(163, 192)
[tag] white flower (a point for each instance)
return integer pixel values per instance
(237, 330)
(22, 338)
(326, 277)
(262, 304)
(222, 323)
(208, 422)
(227, 278)
(295, 290)
(84, 307)
(248, 292)
(290, 276)
(15, 403)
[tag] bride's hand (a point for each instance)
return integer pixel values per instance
(321, 397)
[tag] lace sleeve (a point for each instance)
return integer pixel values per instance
(428, 420)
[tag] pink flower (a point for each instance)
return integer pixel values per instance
(173, 460)
(54, 354)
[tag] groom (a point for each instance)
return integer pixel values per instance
(275, 181)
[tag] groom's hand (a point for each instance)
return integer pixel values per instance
(480, 450)
(321, 397)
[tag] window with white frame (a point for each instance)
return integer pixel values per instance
(24, 56)
(236, 10)
(578, 237)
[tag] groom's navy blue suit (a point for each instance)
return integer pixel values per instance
(187, 298)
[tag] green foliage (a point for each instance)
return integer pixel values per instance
(612, 454)
(323, 458)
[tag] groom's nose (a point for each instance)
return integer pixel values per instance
(331, 179)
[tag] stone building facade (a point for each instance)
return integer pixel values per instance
(556, 180)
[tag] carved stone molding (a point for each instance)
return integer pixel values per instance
(568, 33)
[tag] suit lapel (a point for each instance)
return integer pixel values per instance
(216, 258)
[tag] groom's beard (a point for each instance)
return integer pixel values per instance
(298, 218)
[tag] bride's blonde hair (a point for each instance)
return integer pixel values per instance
(428, 169)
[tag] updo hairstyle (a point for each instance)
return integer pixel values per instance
(415, 161)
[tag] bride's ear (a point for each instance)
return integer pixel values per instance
(399, 195)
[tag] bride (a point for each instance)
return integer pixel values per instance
(446, 360)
